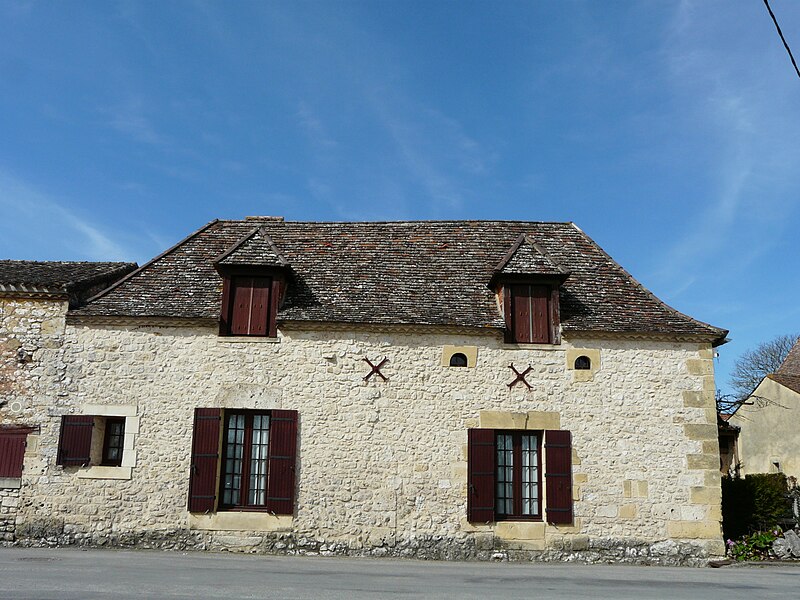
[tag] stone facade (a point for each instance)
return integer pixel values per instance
(381, 464)
(769, 440)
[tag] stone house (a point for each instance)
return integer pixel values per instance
(769, 436)
(433, 389)
(34, 299)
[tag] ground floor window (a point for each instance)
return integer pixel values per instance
(505, 475)
(243, 460)
(113, 441)
(518, 482)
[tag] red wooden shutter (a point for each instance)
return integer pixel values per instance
(75, 440)
(540, 314)
(282, 460)
(225, 311)
(480, 475)
(205, 460)
(241, 299)
(521, 310)
(12, 452)
(558, 474)
(260, 306)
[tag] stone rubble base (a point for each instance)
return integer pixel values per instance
(622, 551)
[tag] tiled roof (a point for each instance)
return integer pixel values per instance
(791, 364)
(59, 277)
(425, 272)
(790, 381)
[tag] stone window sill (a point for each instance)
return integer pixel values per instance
(546, 347)
(248, 340)
(98, 472)
(240, 521)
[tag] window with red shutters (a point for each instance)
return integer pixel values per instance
(75, 440)
(12, 451)
(504, 475)
(255, 458)
(250, 305)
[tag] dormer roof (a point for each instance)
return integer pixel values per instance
(256, 249)
(526, 257)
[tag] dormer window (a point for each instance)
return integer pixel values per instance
(254, 273)
(249, 306)
(527, 281)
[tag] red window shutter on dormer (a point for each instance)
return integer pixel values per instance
(282, 460)
(558, 475)
(205, 459)
(75, 440)
(480, 475)
(530, 309)
(250, 305)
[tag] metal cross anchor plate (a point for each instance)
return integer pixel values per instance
(376, 369)
(520, 376)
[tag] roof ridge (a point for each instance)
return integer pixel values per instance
(408, 222)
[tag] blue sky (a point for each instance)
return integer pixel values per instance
(668, 131)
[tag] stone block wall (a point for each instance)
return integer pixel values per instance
(9, 501)
(382, 465)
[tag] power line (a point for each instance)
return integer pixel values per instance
(783, 39)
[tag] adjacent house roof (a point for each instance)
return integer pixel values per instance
(76, 280)
(419, 272)
(788, 374)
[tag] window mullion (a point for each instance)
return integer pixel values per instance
(246, 451)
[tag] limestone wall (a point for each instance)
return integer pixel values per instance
(382, 465)
(31, 369)
(31, 378)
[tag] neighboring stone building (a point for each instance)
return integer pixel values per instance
(431, 389)
(34, 298)
(769, 440)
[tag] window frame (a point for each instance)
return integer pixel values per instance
(516, 435)
(105, 460)
(244, 476)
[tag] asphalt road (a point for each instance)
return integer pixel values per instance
(68, 573)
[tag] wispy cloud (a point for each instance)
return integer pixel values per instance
(38, 225)
(313, 128)
(737, 103)
(130, 118)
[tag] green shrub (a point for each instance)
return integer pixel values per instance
(756, 503)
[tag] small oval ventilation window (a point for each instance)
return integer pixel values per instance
(458, 360)
(583, 363)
